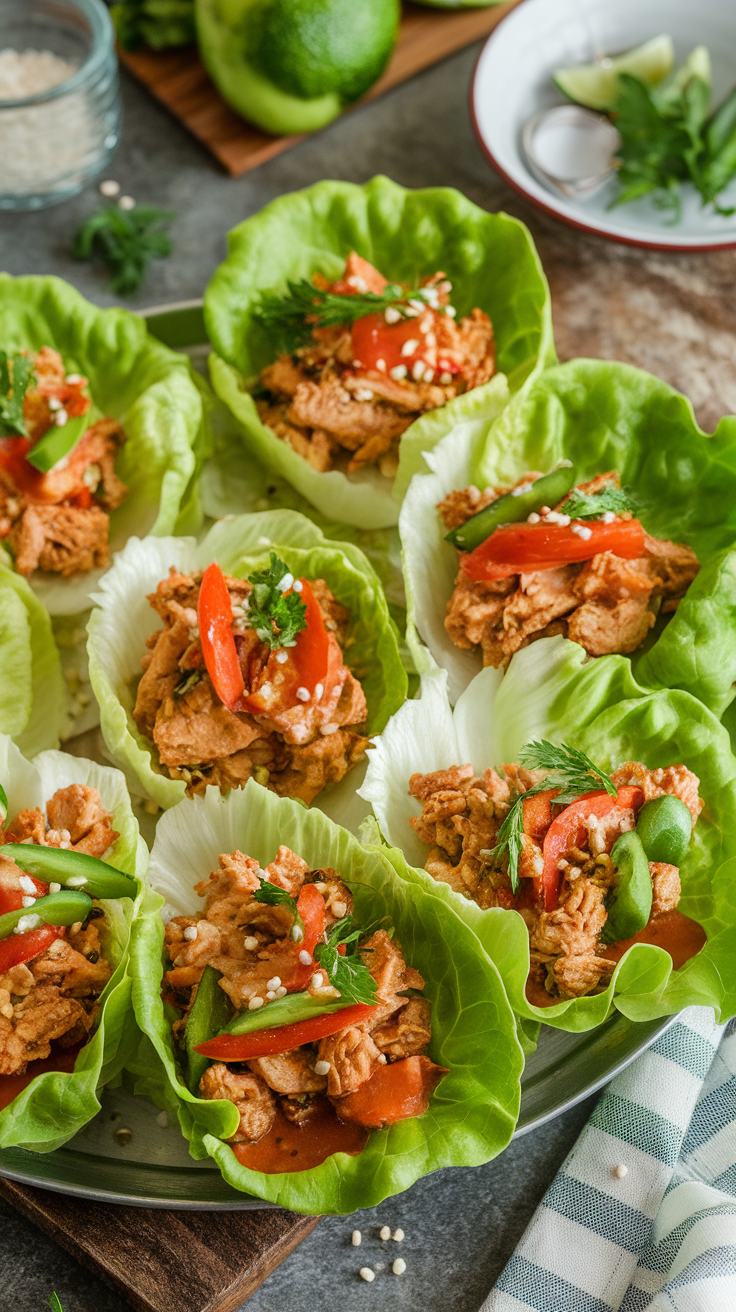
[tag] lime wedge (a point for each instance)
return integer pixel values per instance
(596, 85)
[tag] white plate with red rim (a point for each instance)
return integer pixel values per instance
(513, 82)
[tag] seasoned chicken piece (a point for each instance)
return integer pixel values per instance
(475, 611)
(604, 630)
(28, 826)
(289, 1072)
(314, 447)
(73, 973)
(408, 1031)
(573, 928)
(576, 976)
(674, 779)
(252, 1097)
(197, 728)
(40, 1017)
(79, 810)
(162, 672)
(60, 539)
(666, 887)
(282, 377)
(308, 769)
(329, 406)
(460, 504)
(404, 393)
(673, 564)
(287, 870)
(425, 786)
(352, 1056)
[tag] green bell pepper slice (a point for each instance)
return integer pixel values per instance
(209, 1016)
(630, 902)
(57, 443)
(53, 909)
(289, 1010)
(513, 507)
(59, 865)
(664, 826)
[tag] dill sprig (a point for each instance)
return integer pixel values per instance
(290, 318)
(569, 770)
(276, 616)
(16, 371)
(127, 240)
(587, 505)
(346, 972)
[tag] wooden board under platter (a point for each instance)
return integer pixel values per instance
(178, 79)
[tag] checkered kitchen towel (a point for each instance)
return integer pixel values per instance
(663, 1237)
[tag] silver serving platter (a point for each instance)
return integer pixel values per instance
(154, 1169)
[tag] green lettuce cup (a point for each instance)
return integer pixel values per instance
(56, 1104)
(490, 259)
(472, 1113)
(601, 416)
(33, 694)
(123, 619)
(132, 378)
(551, 691)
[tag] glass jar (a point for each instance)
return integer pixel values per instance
(59, 99)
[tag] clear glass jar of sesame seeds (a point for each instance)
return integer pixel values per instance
(59, 99)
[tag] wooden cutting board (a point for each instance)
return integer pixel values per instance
(167, 1261)
(177, 78)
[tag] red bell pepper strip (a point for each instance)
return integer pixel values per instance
(22, 947)
(311, 907)
(568, 830)
(11, 899)
(523, 548)
(393, 1093)
(216, 637)
(311, 653)
(267, 1043)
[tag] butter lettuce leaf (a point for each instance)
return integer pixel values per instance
(473, 1112)
(33, 694)
(551, 690)
(133, 378)
(123, 619)
(490, 259)
(601, 415)
(56, 1104)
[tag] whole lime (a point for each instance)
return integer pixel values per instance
(294, 65)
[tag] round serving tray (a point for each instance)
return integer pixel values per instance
(152, 1168)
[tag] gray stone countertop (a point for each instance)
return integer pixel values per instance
(673, 314)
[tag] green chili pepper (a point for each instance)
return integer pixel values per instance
(54, 909)
(664, 826)
(630, 902)
(57, 443)
(209, 1016)
(289, 1010)
(3, 805)
(513, 507)
(60, 866)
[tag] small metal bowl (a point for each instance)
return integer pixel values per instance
(570, 149)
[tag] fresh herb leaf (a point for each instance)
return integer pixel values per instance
(159, 24)
(347, 972)
(16, 371)
(273, 896)
(187, 679)
(55, 1303)
(568, 770)
(126, 240)
(291, 318)
(586, 505)
(277, 618)
(3, 805)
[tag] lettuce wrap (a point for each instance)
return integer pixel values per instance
(601, 416)
(473, 1112)
(407, 234)
(33, 694)
(118, 628)
(551, 691)
(56, 1104)
(133, 378)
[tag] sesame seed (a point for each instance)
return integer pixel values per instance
(285, 582)
(327, 729)
(282, 657)
(76, 881)
(444, 287)
(608, 517)
(250, 943)
(363, 394)
(428, 375)
(620, 1171)
(317, 980)
(533, 518)
(367, 1274)
(399, 1266)
(357, 364)
(263, 874)
(359, 284)
(417, 305)
(450, 309)
(445, 378)
(581, 531)
(274, 983)
(339, 909)
(61, 418)
(271, 994)
(356, 1239)
(391, 314)
(190, 933)
(28, 900)
(297, 933)
(398, 1235)
(54, 888)
(410, 312)
(303, 694)
(318, 691)
(410, 347)
(381, 1059)
(110, 188)
(126, 203)
(431, 339)
(27, 922)
(381, 364)
(417, 371)
(305, 957)
(298, 585)
(281, 991)
(27, 884)
(54, 403)
(520, 487)
(398, 372)
(255, 1003)
(384, 1232)
(544, 510)
(321, 1068)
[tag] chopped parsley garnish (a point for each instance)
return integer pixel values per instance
(292, 317)
(16, 371)
(569, 770)
(126, 240)
(587, 505)
(273, 896)
(277, 618)
(187, 679)
(347, 973)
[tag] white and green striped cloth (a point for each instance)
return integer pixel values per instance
(663, 1237)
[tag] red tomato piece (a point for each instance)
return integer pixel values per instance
(523, 548)
(374, 340)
